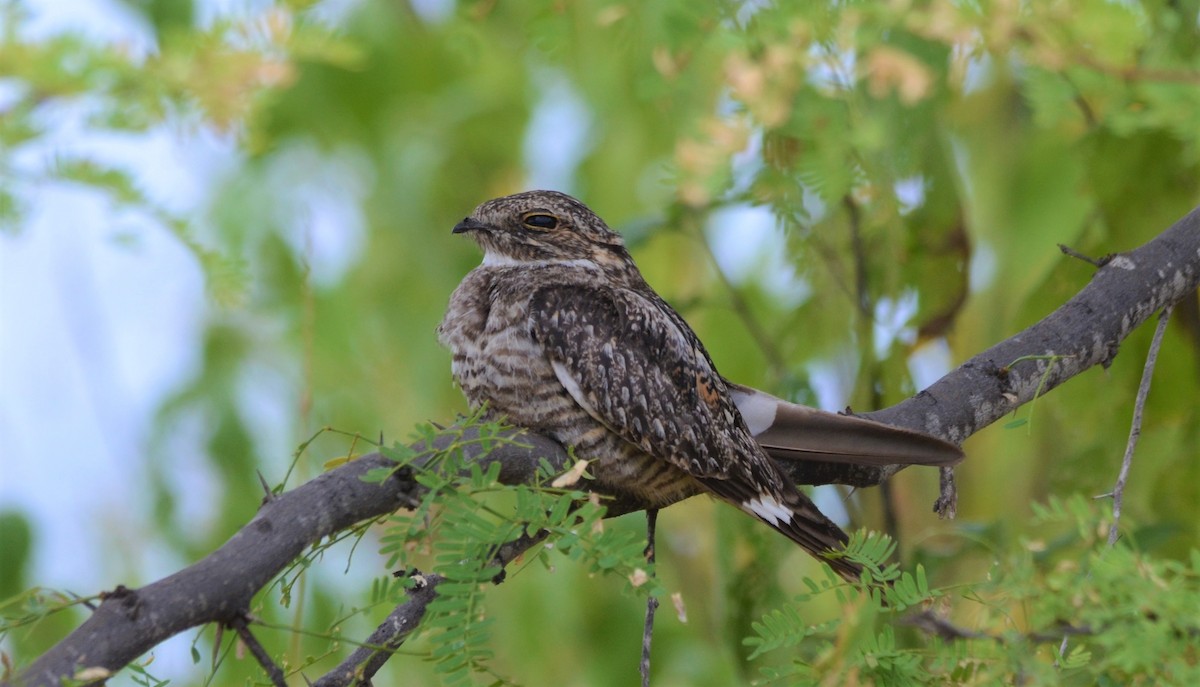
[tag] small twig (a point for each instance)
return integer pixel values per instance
(274, 672)
(946, 505)
(1084, 108)
(762, 339)
(862, 292)
(364, 662)
(511, 550)
(1135, 432)
(1094, 262)
(361, 665)
(931, 623)
(1135, 429)
(216, 647)
(1184, 76)
(651, 601)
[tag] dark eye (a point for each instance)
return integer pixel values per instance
(540, 221)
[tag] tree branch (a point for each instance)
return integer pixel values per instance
(1086, 331)
(274, 672)
(361, 665)
(219, 587)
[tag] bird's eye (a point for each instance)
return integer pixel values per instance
(540, 221)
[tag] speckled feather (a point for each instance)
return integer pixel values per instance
(558, 331)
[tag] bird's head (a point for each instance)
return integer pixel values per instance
(541, 227)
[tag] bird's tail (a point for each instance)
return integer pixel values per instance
(816, 534)
(799, 519)
(791, 432)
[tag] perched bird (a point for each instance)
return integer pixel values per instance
(558, 332)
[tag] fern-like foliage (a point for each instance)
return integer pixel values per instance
(463, 519)
(1073, 612)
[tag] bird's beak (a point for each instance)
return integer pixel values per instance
(468, 224)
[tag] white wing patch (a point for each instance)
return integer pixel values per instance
(758, 410)
(572, 386)
(769, 509)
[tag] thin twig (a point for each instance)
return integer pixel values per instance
(762, 339)
(946, 505)
(936, 625)
(364, 662)
(260, 654)
(216, 647)
(870, 361)
(651, 601)
(862, 291)
(1094, 262)
(1143, 74)
(361, 665)
(1135, 429)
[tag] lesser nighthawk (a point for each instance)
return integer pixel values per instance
(558, 332)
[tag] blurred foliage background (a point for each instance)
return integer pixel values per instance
(843, 198)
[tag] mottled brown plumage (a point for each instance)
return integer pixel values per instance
(558, 332)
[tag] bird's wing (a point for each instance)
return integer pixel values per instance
(789, 431)
(635, 366)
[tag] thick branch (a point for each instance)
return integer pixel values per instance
(219, 587)
(1086, 331)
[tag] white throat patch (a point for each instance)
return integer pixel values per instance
(491, 259)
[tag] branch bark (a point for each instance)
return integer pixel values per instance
(219, 587)
(1084, 332)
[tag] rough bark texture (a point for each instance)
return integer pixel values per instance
(1087, 330)
(219, 587)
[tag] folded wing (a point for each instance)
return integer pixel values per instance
(635, 366)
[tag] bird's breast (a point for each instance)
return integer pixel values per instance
(497, 362)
